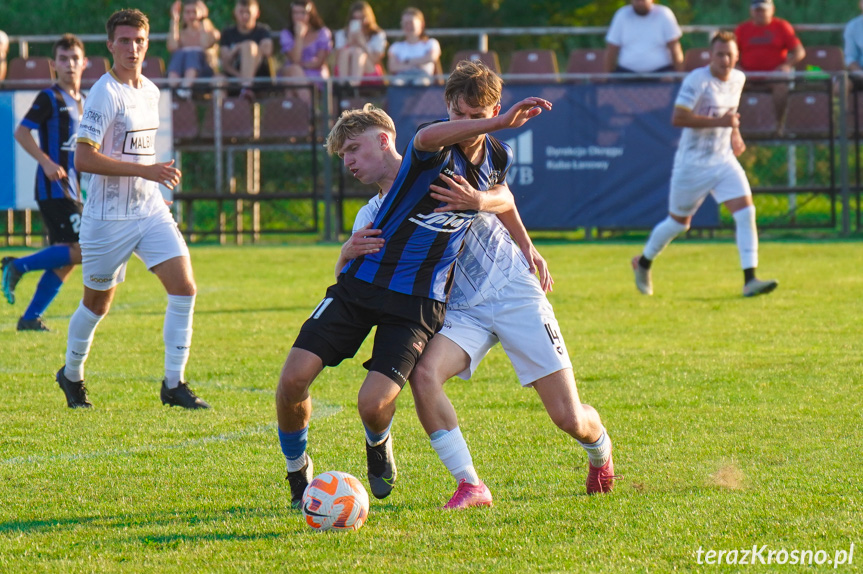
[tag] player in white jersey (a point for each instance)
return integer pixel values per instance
(705, 162)
(495, 298)
(125, 212)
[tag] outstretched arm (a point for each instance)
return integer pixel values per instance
(439, 135)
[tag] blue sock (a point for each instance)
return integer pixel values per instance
(47, 288)
(49, 258)
(374, 439)
(293, 444)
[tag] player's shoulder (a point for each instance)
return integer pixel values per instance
(664, 11)
(148, 84)
(698, 75)
(737, 75)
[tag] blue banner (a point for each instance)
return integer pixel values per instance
(602, 157)
(7, 151)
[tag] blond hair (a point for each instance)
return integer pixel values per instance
(353, 123)
(475, 83)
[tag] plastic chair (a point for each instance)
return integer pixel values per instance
(153, 67)
(696, 58)
(757, 115)
(827, 58)
(533, 62)
(29, 74)
(96, 68)
(586, 61)
(184, 119)
(286, 118)
(808, 115)
(489, 58)
(237, 117)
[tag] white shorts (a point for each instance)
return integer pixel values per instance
(522, 319)
(106, 246)
(691, 184)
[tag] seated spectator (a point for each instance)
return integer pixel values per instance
(361, 45)
(308, 45)
(854, 49)
(247, 47)
(190, 44)
(643, 38)
(417, 57)
(769, 44)
(4, 53)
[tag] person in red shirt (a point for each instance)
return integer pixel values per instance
(769, 44)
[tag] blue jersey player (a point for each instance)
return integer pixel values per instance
(399, 285)
(55, 114)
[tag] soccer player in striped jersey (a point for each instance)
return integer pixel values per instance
(400, 286)
(125, 213)
(55, 113)
(706, 163)
(495, 298)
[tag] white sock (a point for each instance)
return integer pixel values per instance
(747, 237)
(454, 454)
(178, 337)
(664, 232)
(82, 326)
(599, 451)
(297, 464)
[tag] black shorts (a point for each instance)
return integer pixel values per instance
(62, 219)
(342, 321)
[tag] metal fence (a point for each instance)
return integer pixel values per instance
(256, 168)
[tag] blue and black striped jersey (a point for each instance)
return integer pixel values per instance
(421, 245)
(56, 115)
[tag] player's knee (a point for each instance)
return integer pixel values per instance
(293, 386)
(424, 381)
(372, 409)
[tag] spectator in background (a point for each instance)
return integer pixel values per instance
(769, 44)
(417, 57)
(361, 45)
(247, 47)
(4, 53)
(307, 45)
(191, 44)
(854, 49)
(643, 38)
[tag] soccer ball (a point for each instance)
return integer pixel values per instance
(335, 500)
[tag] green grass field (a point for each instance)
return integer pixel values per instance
(736, 423)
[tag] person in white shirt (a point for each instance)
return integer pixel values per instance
(417, 57)
(643, 38)
(705, 162)
(125, 212)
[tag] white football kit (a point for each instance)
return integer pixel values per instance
(123, 215)
(494, 298)
(704, 162)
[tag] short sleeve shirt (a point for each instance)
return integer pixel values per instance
(121, 122)
(643, 40)
(764, 48)
(706, 95)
